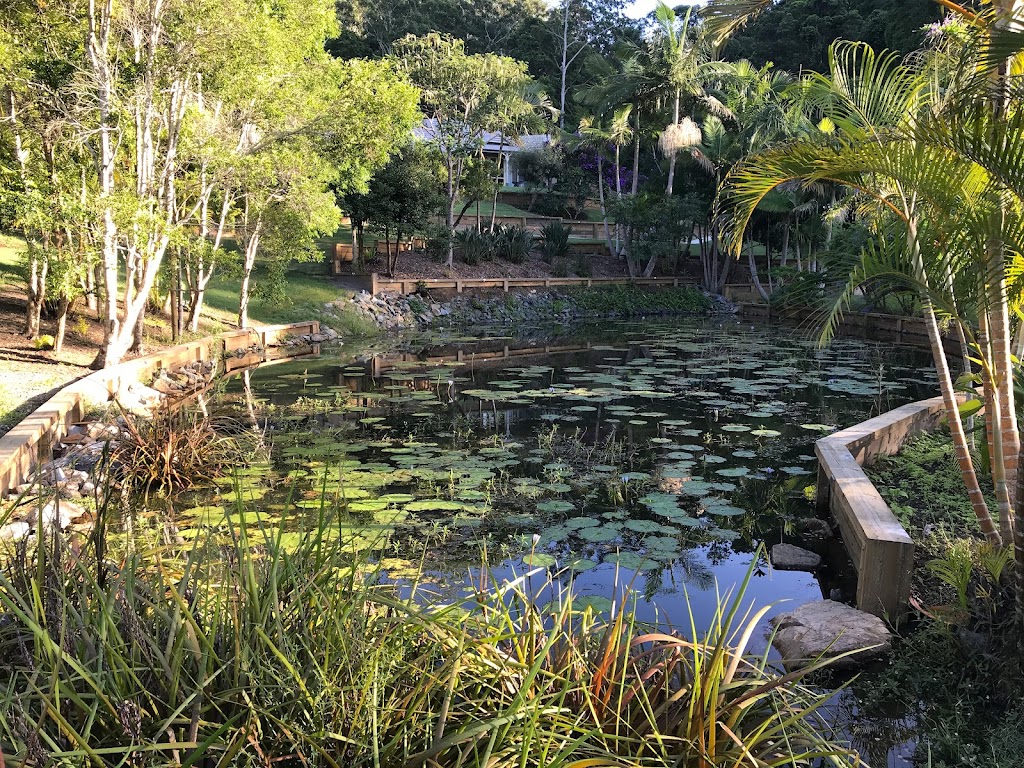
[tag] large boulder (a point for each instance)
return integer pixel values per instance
(787, 557)
(826, 629)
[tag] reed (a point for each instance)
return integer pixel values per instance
(256, 653)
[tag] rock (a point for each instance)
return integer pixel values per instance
(15, 531)
(828, 629)
(815, 529)
(787, 557)
(971, 643)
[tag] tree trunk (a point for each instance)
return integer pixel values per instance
(564, 68)
(98, 49)
(752, 261)
(63, 308)
(956, 428)
(634, 182)
(673, 153)
(36, 291)
(502, 166)
(604, 209)
(251, 247)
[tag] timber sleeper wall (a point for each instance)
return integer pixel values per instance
(379, 284)
(880, 548)
(32, 440)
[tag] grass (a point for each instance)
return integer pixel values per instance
(253, 653)
(923, 487)
(305, 294)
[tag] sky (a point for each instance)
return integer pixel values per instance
(637, 9)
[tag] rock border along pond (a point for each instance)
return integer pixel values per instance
(32, 441)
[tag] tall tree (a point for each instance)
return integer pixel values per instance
(462, 95)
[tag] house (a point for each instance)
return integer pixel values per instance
(495, 147)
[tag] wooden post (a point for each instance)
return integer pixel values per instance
(504, 285)
(373, 283)
(458, 286)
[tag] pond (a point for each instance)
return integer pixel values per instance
(653, 455)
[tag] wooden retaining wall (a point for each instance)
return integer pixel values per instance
(32, 441)
(881, 550)
(380, 283)
(875, 326)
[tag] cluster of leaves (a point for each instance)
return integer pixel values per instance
(505, 241)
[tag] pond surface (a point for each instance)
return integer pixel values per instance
(653, 455)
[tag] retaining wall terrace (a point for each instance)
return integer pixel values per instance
(33, 439)
(881, 550)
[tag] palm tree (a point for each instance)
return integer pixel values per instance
(941, 175)
(680, 61)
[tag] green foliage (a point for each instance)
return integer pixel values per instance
(950, 701)
(44, 341)
(403, 196)
(633, 300)
(473, 246)
(796, 34)
(276, 646)
(922, 485)
(653, 228)
(512, 243)
(554, 240)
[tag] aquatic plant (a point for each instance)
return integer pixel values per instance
(250, 653)
(179, 448)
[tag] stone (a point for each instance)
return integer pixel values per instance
(787, 557)
(815, 529)
(15, 531)
(826, 629)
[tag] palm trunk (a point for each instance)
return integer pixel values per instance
(753, 273)
(604, 209)
(1003, 375)
(502, 167)
(949, 400)
(997, 444)
(672, 155)
(636, 156)
(956, 429)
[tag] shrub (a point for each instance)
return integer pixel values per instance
(435, 237)
(513, 243)
(554, 241)
(583, 265)
(473, 246)
(632, 300)
(178, 449)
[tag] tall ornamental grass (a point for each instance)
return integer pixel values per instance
(254, 653)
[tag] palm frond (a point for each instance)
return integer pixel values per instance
(722, 18)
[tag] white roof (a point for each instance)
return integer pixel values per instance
(492, 139)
